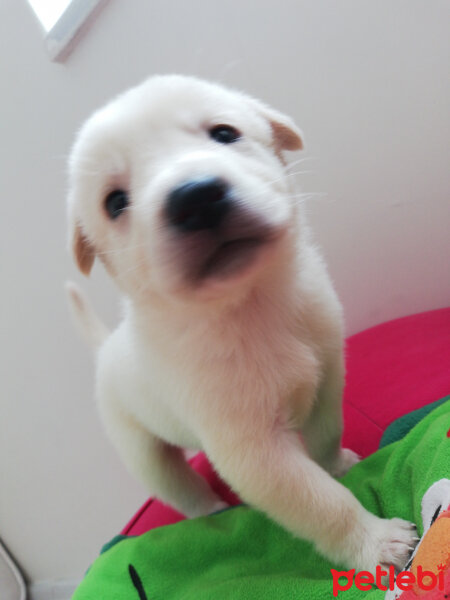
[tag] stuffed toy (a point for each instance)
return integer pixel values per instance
(240, 553)
(429, 566)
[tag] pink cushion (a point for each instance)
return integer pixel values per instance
(392, 369)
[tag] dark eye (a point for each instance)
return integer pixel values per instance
(224, 134)
(115, 203)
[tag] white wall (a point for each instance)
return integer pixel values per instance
(368, 83)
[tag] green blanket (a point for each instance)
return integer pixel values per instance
(240, 553)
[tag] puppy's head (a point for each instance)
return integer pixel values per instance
(178, 186)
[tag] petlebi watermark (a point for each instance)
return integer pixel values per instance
(404, 581)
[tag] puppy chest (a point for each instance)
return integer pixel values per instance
(269, 371)
(250, 374)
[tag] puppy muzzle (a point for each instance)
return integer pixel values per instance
(216, 234)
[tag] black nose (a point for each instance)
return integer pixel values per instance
(198, 204)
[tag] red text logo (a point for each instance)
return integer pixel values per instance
(405, 580)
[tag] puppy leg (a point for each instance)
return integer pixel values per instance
(161, 467)
(269, 468)
(322, 432)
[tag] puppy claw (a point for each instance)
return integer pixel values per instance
(390, 542)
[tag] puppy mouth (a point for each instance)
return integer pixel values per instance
(233, 256)
(230, 256)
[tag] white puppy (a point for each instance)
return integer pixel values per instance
(232, 337)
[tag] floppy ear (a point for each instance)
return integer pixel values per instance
(286, 134)
(83, 250)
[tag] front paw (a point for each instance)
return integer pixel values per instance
(344, 461)
(389, 542)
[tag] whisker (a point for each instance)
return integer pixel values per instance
(299, 161)
(263, 189)
(285, 176)
(305, 196)
(134, 267)
(122, 250)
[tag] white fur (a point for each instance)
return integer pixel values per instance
(236, 365)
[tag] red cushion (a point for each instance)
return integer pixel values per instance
(392, 369)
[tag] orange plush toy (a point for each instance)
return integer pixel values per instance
(429, 566)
